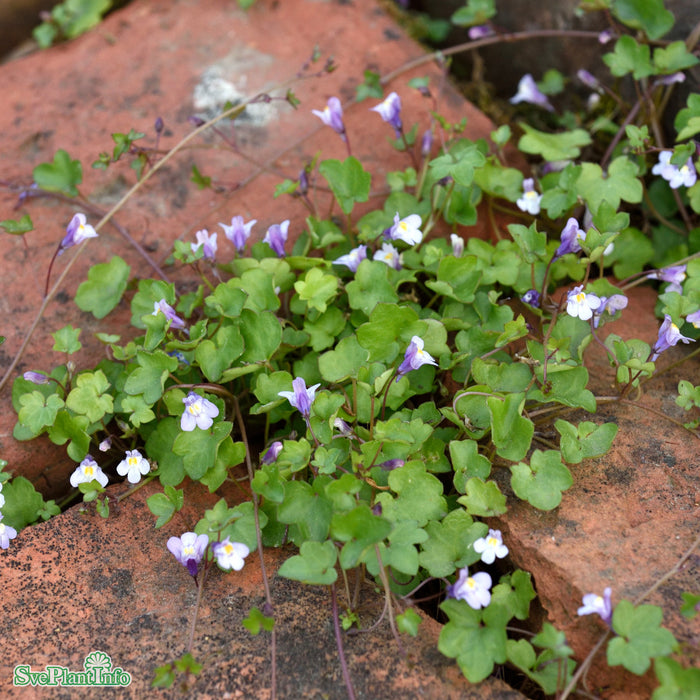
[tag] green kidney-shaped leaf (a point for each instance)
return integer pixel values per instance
(542, 481)
(104, 287)
(315, 564)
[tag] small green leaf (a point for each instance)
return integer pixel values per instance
(673, 58)
(256, 621)
(649, 15)
(149, 377)
(511, 432)
(474, 12)
(629, 57)
(60, 176)
(38, 411)
(348, 180)
(371, 286)
(691, 605)
(542, 481)
(23, 503)
(585, 441)
(89, 396)
(677, 683)
(66, 340)
(408, 622)
(562, 146)
(483, 498)
(344, 361)
(104, 287)
(449, 544)
(317, 289)
(198, 448)
(314, 565)
(17, 228)
(641, 637)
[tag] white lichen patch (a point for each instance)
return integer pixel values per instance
(227, 81)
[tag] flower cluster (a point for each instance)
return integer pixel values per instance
(475, 590)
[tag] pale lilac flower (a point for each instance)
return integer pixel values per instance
(230, 555)
(88, 471)
(674, 275)
(407, 229)
(276, 237)
(530, 201)
(599, 605)
(415, 357)
(571, 237)
(164, 308)
(605, 36)
(426, 144)
(390, 111)
(529, 92)
(678, 77)
(694, 318)
(475, 590)
(611, 304)
(491, 547)
(199, 413)
(189, 550)
(7, 533)
(207, 242)
(77, 231)
(342, 427)
(389, 255)
(36, 377)
(457, 243)
(332, 115)
(588, 79)
(531, 297)
(272, 453)
(669, 335)
(480, 31)
(675, 176)
(301, 398)
(133, 466)
(353, 259)
(238, 232)
(581, 305)
(105, 445)
(391, 464)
